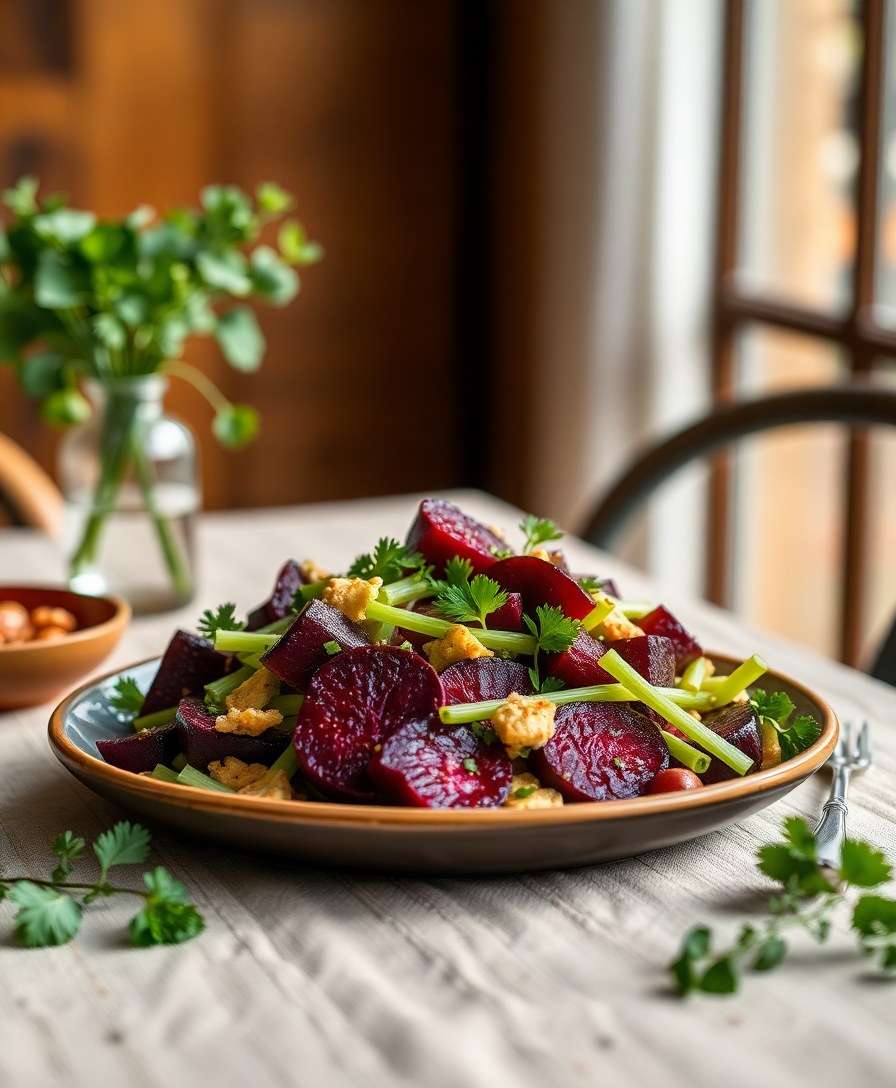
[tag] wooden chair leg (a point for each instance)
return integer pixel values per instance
(884, 667)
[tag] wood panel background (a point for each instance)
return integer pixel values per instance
(354, 106)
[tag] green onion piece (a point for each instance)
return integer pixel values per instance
(248, 642)
(189, 776)
(163, 773)
(744, 675)
(312, 590)
(693, 758)
(461, 713)
(218, 690)
(179, 761)
(287, 704)
(412, 588)
(511, 641)
(599, 613)
(151, 721)
(694, 675)
(286, 762)
(696, 731)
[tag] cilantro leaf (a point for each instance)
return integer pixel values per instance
(168, 917)
(554, 632)
(68, 847)
(484, 732)
(771, 953)
(801, 734)
(127, 696)
(720, 977)
(389, 560)
(458, 572)
(874, 916)
(793, 863)
(470, 601)
(862, 865)
(776, 708)
(45, 916)
(123, 844)
(222, 618)
(551, 683)
(538, 531)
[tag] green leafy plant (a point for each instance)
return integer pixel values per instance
(461, 598)
(222, 618)
(794, 734)
(112, 300)
(538, 531)
(389, 560)
(809, 898)
(554, 632)
(126, 696)
(50, 911)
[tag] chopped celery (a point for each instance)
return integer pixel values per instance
(738, 681)
(249, 642)
(286, 762)
(599, 613)
(286, 704)
(151, 721)
(309, 592)
(163, 773)
(218, 690)
(179, 761)
(691, 757)
(511, 641)
(251, 661)
(695, 674)
(635, 610)
(413, 588)
(189, 776)
(696, 731)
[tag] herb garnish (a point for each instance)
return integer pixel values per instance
(776, 709)
(554, 632)
(332, 647)
(807, 901)
(50, 914)
(471, 765)
(538, 531)
(127, 696)
(389, 560)
(222, 618)
(462, 599)
(522, 792)
(484, 732)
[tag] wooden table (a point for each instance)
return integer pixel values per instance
(307, 977)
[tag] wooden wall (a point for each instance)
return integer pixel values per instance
(352, 104)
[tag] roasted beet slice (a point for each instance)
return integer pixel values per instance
(301, 649)
(189, 663)
(201, 742)
(442, 530)
(509, 617)
(141, 751)
(651, 656)
(661, 622)
(425, 765)
(540, 582)
(354, 701)
(601, 752)
(739, 725)
(484, 678)
(279, 603)
(578, 666)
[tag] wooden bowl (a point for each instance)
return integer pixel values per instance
(413, 840)
(36, 672)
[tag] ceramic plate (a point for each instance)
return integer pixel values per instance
(424, 840)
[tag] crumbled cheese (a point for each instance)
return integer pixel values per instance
(534, 795)
(352, 595)
(524, 721)
(311, 572)
(540, 553)
(248, 722)
(617, 626)
(274, 785)
(254, 693)
(458, 644)
(235, 773)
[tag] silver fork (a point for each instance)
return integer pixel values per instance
(846, 758)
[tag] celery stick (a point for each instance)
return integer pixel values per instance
(179, 762)
(312, 590)
(413, 588)
(744, 675)
(696, 731)
(249, 642)
(251, 661)
(286, 704)
(460, 713)
(635, 610)
(693, 758)
(436, 628)
(694, 675)
(286, 762)
(151, 721)
(189, 776)
(218, 690)
(278, 626)
(163, 773)
(599, 613)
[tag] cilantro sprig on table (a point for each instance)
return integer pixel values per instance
(794, 734)
(389, 560)
(50, 911)
(222, 618)
(462, 597)
(808, 900)
(538, 531)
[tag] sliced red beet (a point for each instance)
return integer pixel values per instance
(578, 666)
(189, 663)
(739, 725)
(509, 617)
(141, 751)
(425, 765)
(279, 603)
(601, 752)
(540, 582)
(201, 743)
(442, 530)
(354, 701)
(301, 650)
(661, 622)
(484, 678)
(402, 634)
(651, 656)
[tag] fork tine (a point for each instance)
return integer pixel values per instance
(864, 743)
(843, 742)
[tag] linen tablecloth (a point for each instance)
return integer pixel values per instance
(322, 978)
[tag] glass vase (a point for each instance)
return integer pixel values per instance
(130, 483)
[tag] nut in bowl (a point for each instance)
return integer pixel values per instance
(50, 638)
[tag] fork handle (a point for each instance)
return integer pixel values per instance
(830, 833)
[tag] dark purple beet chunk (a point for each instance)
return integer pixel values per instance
(540, 582)
(354, 701)
(422, 764)
(201, 743)
(300, 652)
(739, 725)
(189, 663)
(601, 752)
(402, 634)
(651, 656)
(484, 678)
(143, 750)
(578, 666)
(279, 603)
(509, 617)
(661, 622)
(442, 530)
